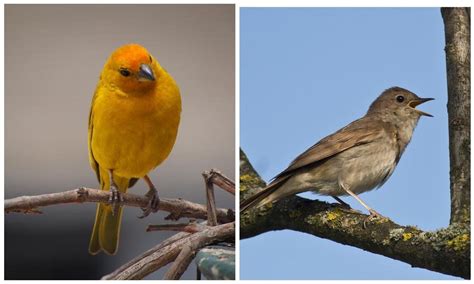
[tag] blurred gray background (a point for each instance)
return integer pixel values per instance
(53, 57)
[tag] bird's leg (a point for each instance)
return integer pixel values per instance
(344, 206)
(341, 202)
(115, 198)
(153, 198)
(373, 214)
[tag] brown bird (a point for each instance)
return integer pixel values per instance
(355, 159)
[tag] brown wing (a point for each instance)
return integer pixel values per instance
(359, 132)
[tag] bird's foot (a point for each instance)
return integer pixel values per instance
(115, 198)
(374, 215)
(153, 203)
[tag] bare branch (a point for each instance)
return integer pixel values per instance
(179, 248)
(177, 208)
(147, 253)
(187, 227)
(183, 246)
(210, 201)
(163, 254)
(181, 262)
(217, 178)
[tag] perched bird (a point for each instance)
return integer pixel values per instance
(357, 158)
(133, 124)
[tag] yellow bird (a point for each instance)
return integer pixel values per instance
(133, 124)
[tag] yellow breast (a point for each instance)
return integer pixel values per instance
(133, 134)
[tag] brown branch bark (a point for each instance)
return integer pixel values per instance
(193, 237)
(145, 254)
(182, 261)
(169, 250)
(186, 227)
(217, 178)
(177, 208)
(179, 248)
(457, 28)
(446, 251)
(210, 201)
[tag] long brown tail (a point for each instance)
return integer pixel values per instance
(260, 198)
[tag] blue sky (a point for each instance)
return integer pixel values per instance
(306, 72)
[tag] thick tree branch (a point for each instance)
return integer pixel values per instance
(177, 208)
(250, 180)
(446, 251)
(457, 28)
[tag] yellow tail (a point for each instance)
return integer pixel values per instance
(105, 235)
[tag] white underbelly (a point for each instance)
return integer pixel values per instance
(369, 167)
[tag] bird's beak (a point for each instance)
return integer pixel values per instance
(145, 73)
(419, 101)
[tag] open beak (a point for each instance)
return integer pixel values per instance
(419, 101)
(145, 73)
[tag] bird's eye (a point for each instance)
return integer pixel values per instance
(124, 72)
(400, 99)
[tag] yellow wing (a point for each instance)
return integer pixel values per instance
(92, 161)
(90, 131)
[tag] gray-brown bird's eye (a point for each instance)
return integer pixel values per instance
(124, 72)
(400, 99)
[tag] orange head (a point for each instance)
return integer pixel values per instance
(132, 69)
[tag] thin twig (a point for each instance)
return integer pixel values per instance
(181, 262)
(221, 181)
(156, 258)
(210, 200)
(189, 249)
(177, 207)
(185, 227)
(147, 253)
(181, 248)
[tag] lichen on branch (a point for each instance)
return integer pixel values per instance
(446, 250)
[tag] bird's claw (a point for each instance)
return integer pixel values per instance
(115, 199)
(153, 204)
(373, 216)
